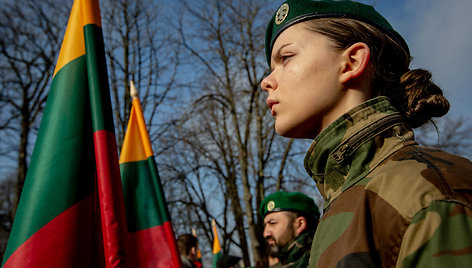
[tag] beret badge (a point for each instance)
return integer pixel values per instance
(270, 205)
(281, 14)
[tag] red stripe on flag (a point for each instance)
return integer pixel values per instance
(112, 208)
(154, 246)
(172, 244)
(55, 245)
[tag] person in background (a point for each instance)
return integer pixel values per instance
(228, 261)
(290, 220)
(340, 75)
(187, 244)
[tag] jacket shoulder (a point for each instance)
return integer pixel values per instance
(414, 176)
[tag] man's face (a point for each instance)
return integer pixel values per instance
(279, 230)
(193, 254)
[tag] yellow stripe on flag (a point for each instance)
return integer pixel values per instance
(73, 45)
(216, 241)
(136, 145)
(91, 13)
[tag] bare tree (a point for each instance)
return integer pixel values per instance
(229, 126)
(139, 47)
(31, 36)
(451, 134)
(7, 197)
(195, 195)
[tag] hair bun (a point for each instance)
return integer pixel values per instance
(424, 98)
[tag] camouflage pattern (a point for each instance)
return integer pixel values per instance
(388, 201)
(297, 253)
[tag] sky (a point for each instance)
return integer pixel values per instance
(440, 40)
(439, 35)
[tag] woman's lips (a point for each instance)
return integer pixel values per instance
(271, 104)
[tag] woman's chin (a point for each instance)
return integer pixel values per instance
(287, 132)
(293, 132)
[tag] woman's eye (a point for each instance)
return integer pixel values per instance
(284, 58)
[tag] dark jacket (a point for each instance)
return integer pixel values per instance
(186, 262)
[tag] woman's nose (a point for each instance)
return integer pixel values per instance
(268, 83)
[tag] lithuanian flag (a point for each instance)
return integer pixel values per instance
(71, 211)
(216, 245)
(150, 230)
(198, 263)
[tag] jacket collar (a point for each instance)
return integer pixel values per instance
(300, 246)
(348, 149)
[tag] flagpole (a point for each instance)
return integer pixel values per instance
(132, 90)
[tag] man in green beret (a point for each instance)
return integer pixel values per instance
(290, 221)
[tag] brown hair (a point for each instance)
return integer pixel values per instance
(411, 91)
(185, 243)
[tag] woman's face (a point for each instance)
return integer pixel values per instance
(305, 92)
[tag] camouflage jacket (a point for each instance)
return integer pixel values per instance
(297, 253)
(388, 201)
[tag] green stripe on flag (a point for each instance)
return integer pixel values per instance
(62, 165)
(142, 180)
(216, 257)
(98, 78)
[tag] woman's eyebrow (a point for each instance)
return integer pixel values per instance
(274, 55)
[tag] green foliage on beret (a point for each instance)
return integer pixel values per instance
(294, 11)
(289, 201)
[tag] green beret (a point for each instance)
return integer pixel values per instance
(289, 201)
(294, 11)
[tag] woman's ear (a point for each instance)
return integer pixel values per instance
(355, 60)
